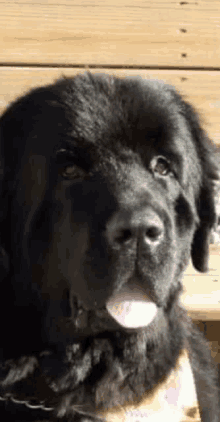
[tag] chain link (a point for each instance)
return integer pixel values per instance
(27, 403)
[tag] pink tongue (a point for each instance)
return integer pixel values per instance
(132, 308)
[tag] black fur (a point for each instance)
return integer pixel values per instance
(86, 207)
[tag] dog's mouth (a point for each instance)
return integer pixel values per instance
(130, 308)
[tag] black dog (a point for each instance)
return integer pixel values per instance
(106, 193)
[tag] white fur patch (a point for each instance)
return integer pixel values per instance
(132, 308)
(173, 400)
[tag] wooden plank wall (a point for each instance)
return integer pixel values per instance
(177, 41)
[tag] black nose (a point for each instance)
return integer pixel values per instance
(146, 227)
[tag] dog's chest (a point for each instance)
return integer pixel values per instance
(174, 400)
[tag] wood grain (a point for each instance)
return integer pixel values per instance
(201, 296)
(106, 32)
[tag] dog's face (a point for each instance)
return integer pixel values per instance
(110, 174)
(107, 178)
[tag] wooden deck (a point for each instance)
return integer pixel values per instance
(201, 295)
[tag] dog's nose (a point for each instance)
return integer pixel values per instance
(145, 226)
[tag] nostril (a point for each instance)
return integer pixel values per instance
(153, 233)
(123, 236)
(127, 229)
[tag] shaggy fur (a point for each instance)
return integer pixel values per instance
(104, 182)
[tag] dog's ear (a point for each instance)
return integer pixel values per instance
(22, 178)
(4, 256)
(205, 203)
(29, 129)
(207, 219)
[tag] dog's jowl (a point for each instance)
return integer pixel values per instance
(106, 194)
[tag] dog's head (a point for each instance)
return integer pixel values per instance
(107, 191)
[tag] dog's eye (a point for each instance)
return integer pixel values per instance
(67, 167)
(161, 166)
(72, 172)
